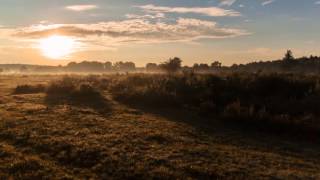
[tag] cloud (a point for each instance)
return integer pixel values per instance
(227, 2)
(82, 7)
(231, 2)
(208, 11)
(267, 2)
(130, 31)
(317, 2)
(146, 16)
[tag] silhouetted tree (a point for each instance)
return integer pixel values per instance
(108, 66)
(130, 66)
(196, 66)
(152, 67)
(288, 56)
(287, 63)
(86, 66)
(201, 67)
(172, 65)
(216, 64)
(124, 66)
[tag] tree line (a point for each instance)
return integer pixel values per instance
(95, 66)
(289, 63)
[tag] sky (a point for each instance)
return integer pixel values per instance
(48, 32)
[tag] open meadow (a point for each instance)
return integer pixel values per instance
(157, 126)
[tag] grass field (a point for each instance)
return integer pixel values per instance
(42, 137)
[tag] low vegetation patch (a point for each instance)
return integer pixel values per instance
(75, 91)
(281, 102)
(29, 89)
(277, 103)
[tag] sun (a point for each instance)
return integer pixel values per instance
(57, 47)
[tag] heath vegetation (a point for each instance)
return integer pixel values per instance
(177, 123)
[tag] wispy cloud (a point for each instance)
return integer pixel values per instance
(227, 2)
(208, 11)
(115, 33)
(317, 3)
(146, 16)
(86, 7)
(267, 2)
(231, 2)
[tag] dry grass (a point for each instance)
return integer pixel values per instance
(67, 141)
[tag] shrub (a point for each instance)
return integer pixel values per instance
(64, 87)
(86, 92)
(74, 90)
(29, 89)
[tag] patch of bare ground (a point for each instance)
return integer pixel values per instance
(65, 141)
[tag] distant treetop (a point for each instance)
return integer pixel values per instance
(288, 56)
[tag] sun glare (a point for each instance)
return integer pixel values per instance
(57, 47)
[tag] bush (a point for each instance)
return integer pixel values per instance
(74, 90)
(29, 89)
(63, 88)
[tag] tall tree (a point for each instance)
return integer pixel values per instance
(288, 56)
(172, 65)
